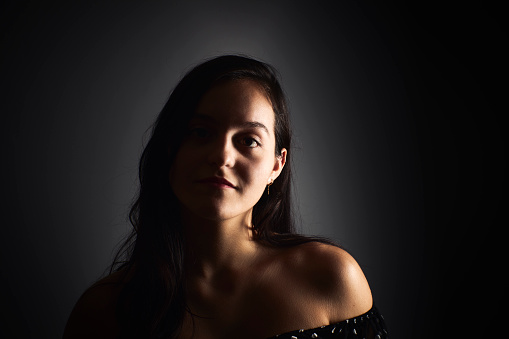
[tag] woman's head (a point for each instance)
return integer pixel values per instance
(221, 76)
(227, 156)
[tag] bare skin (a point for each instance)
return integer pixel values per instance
(272, 292)
(236, 286)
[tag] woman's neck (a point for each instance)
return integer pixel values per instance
(214, 246)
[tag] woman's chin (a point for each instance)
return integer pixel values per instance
(213, 212)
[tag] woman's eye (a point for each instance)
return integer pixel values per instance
(199, 132)
(250, 142)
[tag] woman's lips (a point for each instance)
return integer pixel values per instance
(217, 181)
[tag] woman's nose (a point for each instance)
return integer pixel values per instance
(222, 152)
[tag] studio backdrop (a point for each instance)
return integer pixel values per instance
(378, 156)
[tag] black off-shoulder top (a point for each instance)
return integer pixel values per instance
(369, 325)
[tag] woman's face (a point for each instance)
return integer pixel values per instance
(228, 156)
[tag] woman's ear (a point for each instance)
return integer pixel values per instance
(279, 164)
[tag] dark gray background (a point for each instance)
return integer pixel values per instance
(398, 151)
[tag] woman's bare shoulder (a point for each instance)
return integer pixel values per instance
(335, 277)
(93, 316)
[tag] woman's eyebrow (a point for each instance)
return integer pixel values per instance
(255, 124)
(205, 117)
(246, 124)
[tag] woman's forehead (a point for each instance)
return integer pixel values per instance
(236, 101)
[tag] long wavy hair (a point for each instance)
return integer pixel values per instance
(152, 302)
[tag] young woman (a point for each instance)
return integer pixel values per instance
(213, 252)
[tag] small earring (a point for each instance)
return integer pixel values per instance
(268, 186)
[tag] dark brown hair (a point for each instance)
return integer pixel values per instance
(152, 304)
